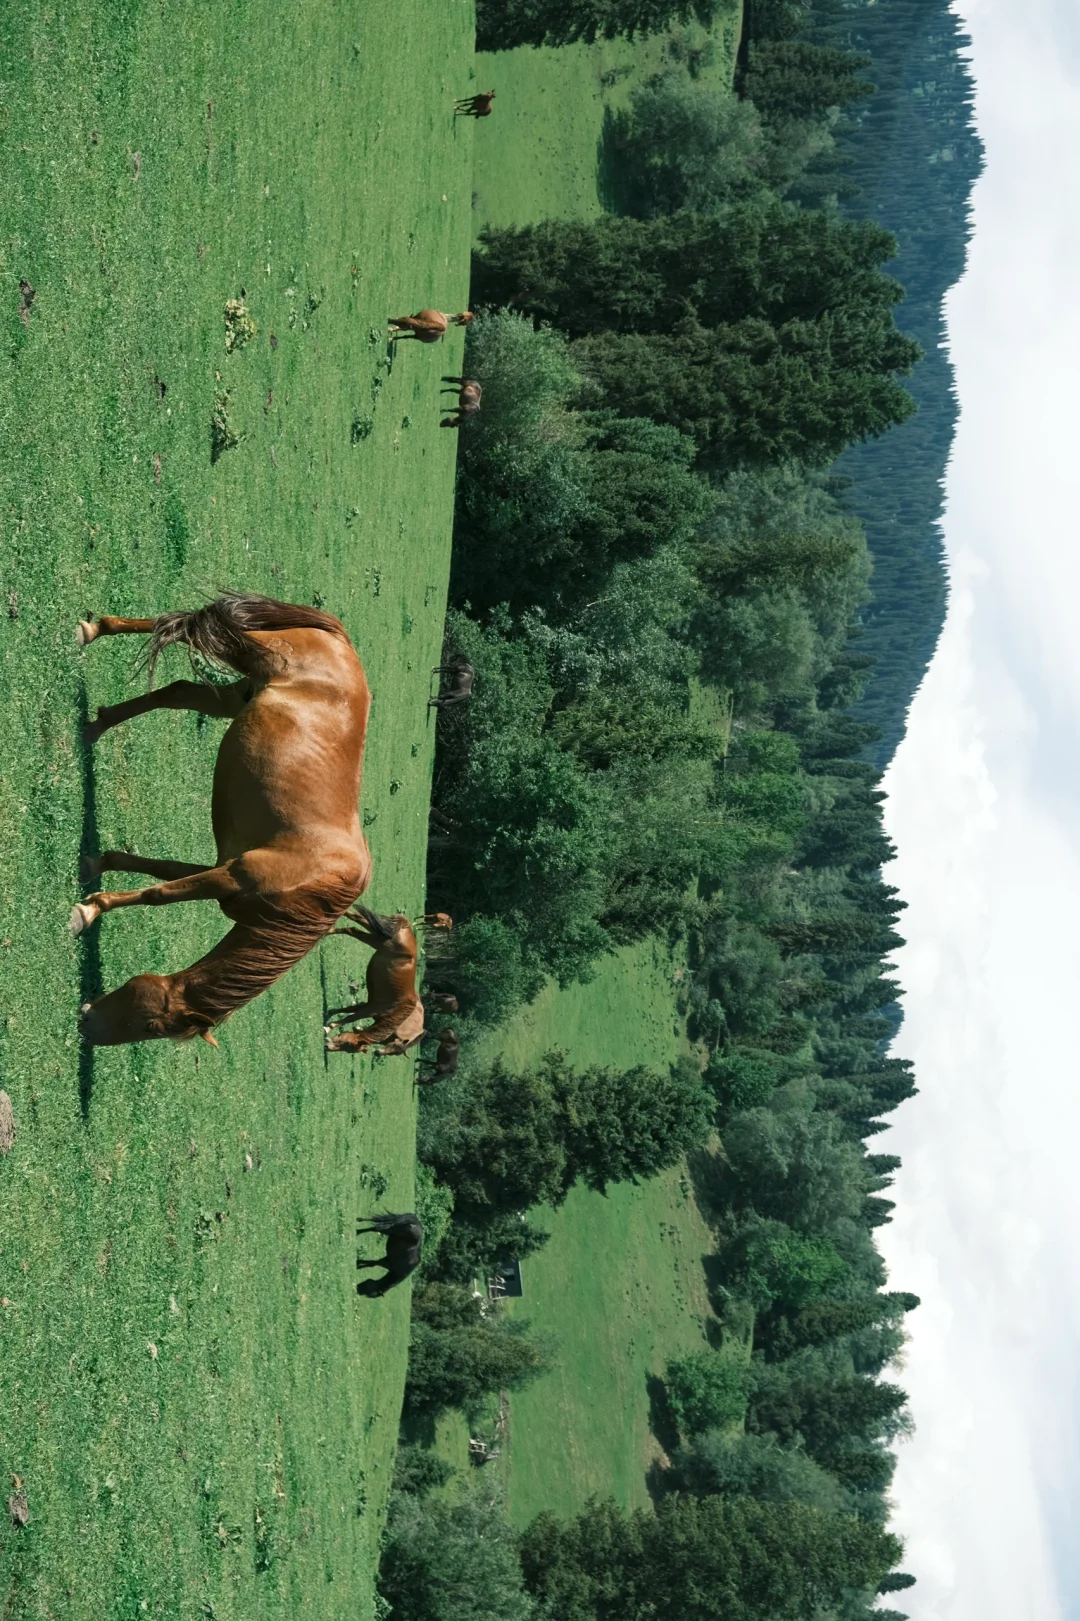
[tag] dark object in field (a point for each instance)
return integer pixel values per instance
(7, 1124)
(478, 106)
(460, 686)
(404, 1235)
(290, 856)
(468, 392)
(26, 299)
(443, 1064)
(442, 1002)
(391, 988)
(18, 1507)
(427, 326)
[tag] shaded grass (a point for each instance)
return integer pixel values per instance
(202, 1412)
(544, 153)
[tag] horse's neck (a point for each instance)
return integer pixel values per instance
(242, 965)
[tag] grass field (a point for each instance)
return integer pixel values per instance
(541, 156)
(201, 1412)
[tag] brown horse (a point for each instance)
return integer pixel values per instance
(290, 854)
(478, 106)
(468, 393)
(435, 920)
(427, 326)
(391, 988)
(445, 1061)
(462, 675)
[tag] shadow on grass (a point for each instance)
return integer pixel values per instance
(615, 186)
(90, 975)
(661, 1418)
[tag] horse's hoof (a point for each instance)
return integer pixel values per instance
(86, 631)
(89, 868)
(92, 730)
(82, 915)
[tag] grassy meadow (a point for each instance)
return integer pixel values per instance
(200, 1411)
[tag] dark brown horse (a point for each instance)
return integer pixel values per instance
(426, 326)
(404, 1235)
(391, 988)
(478, 106)
(290, 854)
(444, 1063)
(468, 393)
(442, 1001)
(459, 691)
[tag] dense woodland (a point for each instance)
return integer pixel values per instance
(662, 581)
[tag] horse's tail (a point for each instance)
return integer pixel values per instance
(220, 633)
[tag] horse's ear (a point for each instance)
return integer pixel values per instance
(206, 1036)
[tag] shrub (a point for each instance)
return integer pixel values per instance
(705, 1391)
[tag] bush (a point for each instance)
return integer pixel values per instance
(705, 1391)
(771, 1265)
(461, 1350)
(434, 1204)
(451, 1562)
(419, 1470)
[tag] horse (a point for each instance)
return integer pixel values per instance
(442, 1002)
(391, 988)
(435, 920)
(460, 689)
(291, 858)
(468, 392)
(478, 106)
(445, 1061)
(404, 1235)
(427, 326)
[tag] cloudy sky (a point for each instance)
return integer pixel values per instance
(984, 805)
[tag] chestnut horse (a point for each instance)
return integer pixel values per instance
(391, 988)
(291, 858)
(427, 326)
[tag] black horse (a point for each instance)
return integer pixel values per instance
(403, 1234)
(459, 688)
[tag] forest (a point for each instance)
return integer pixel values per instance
(697, 572)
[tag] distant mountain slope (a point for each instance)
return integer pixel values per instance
(915, 156)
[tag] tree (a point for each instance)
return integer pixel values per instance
(516, 1139)
(827, 1415)
(451, 1561)
(755, 1466)
(685, 145)
(771, 1265)
(712, 1559)
(503, 24)
(705, 1391)
(818, 1324)
(458, 1354)
(762, 261)
(794, 78)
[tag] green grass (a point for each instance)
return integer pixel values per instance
(620, 1283)
(538, 156)
(155, 159)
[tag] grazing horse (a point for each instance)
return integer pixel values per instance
(462, 675)
(478, 106)
(404, 1235)
(427, 326)
(391, 988)
(442, 1002)
(445, 1061)
(468, 393)
(436, 920)
(291, 858)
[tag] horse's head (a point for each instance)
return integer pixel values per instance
(463, 319)
(145, 1009)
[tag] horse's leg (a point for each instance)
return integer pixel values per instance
(88, 630)
(381, 1261)
(211, 884)
(452, 380)
(223, 703)
(349, 1041)
(451, 422)
(91, 867)
(359, 1010)
(361, 935)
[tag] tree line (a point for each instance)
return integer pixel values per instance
(658, 579)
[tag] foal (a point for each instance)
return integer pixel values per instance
(468, 393)
(427, 326)
(290, 854)
(445, 1061)
(462, 675)
(478, 106)
(404, 1235)
(391, 988)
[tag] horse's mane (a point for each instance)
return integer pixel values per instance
(253, 955)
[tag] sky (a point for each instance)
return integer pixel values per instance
(984, 807)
